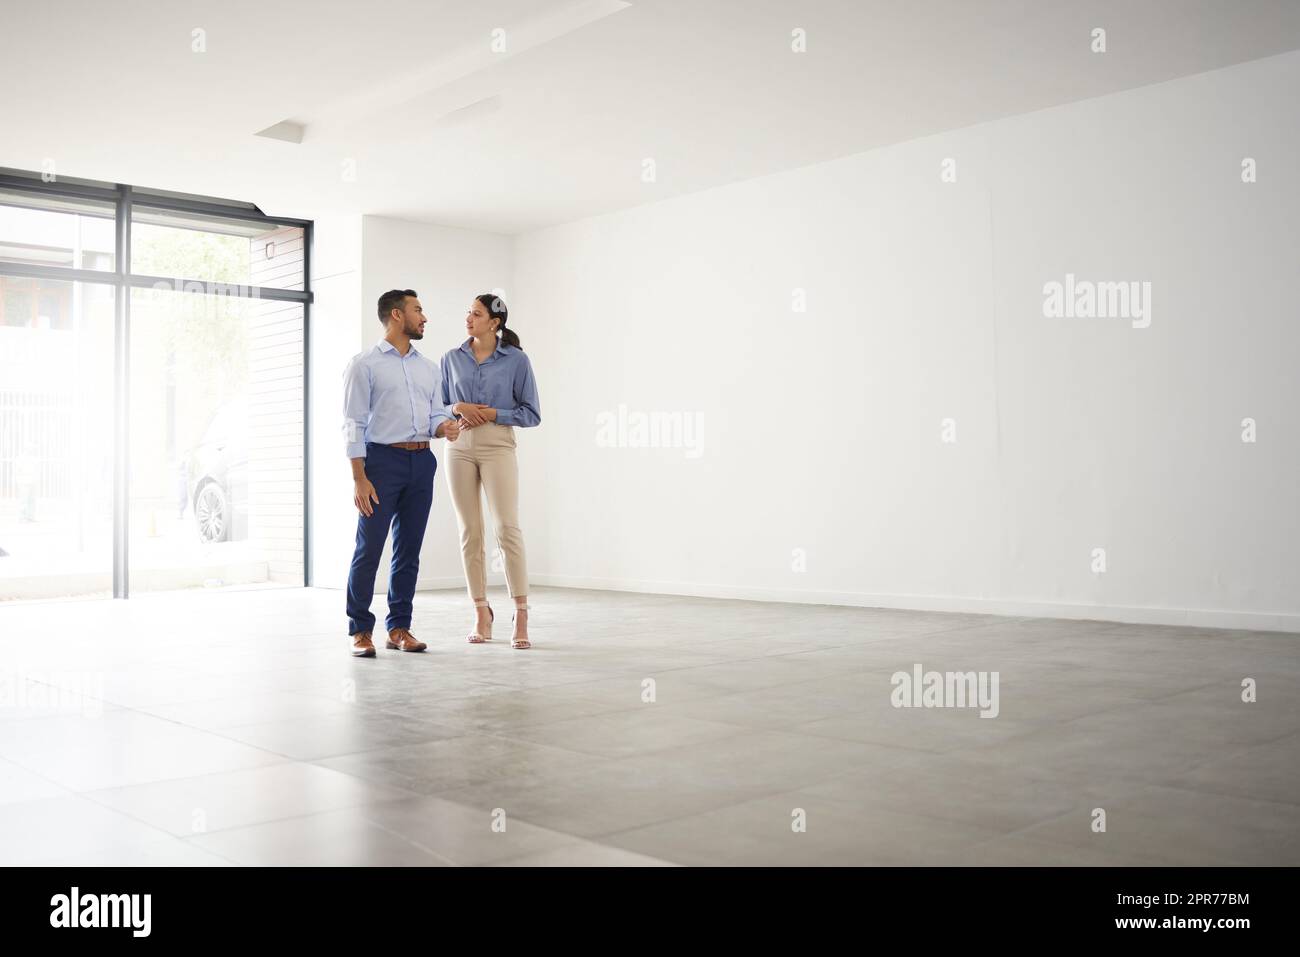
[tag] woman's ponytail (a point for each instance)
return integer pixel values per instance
(496, 307)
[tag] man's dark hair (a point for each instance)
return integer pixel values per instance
(393, 299)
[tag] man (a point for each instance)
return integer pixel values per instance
(392, 410)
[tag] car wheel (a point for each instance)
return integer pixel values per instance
(212, 513)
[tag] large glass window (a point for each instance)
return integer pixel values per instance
(49, 230)
(56, 438)
(217, 251)
(216, 440)
(152, 421)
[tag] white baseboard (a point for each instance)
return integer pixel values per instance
(435, 583)
(444, 581)
(1199, 618)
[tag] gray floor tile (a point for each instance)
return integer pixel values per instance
(762, 832)
(458, 762)
(1186, 827)
(625, 733)
(217, 802)
(314, 738)
(120, 748)
(584, 854)
(18, 785)
(951, 787)
(165, 853)
(346, 838)
(1265, 772)
(465, 835)
(256, 708)
(1015, 850)
(68, 827)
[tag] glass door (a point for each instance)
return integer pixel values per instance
(56, 389)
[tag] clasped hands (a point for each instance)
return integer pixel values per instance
(472, 413)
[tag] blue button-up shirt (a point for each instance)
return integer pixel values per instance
(504, 381)
(389, 397)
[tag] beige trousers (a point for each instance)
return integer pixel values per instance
(484, 458)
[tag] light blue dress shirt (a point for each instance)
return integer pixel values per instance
(504, 381)
(389, 397)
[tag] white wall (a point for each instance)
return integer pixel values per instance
(335, 338)
(822, 429)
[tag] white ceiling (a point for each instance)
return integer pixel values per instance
(442, 129)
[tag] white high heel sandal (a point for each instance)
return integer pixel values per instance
(520, 642)
(474, 637)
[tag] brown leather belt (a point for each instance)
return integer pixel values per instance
(409, 446)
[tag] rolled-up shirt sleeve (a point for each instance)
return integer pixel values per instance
(356, 407)
(527, 411)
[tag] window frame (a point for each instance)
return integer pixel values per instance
(126, 199)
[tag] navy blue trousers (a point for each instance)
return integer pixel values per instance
(403, 480)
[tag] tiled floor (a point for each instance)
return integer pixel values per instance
(233, 728)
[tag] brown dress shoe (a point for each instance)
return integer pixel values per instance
(362, 646)
(399, 639)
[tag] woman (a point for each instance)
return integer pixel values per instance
(488, 384)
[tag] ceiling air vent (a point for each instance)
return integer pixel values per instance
(287, 130)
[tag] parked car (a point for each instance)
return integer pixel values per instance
(217, 475)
